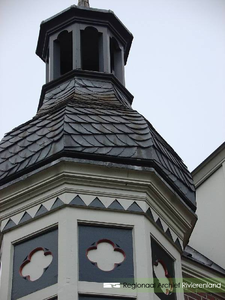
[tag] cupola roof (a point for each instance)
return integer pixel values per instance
(87, 15)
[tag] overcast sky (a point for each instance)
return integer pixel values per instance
(176, 68)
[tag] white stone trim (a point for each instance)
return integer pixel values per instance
(87, 199)
(68, 219)
(13, 237)
(45, 294)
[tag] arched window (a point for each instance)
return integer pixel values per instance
(63, 54)
(91, 41)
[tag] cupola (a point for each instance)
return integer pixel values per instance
(83, 38)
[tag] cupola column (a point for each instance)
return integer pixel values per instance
(106, 52)
(76, 47)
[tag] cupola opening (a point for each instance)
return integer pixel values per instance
(63, 54)
(91, 48)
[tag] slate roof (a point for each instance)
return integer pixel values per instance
(194, 255)
(91, 119)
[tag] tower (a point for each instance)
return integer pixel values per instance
(90, 192)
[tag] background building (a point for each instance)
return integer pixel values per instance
(209, 177)
(204, 257)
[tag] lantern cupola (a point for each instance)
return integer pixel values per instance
(83, 38)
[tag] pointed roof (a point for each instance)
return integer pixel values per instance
(91, 119)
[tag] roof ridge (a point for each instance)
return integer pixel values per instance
(167, 145)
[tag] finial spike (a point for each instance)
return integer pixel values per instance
(84, 3)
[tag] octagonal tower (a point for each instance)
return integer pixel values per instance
(91, 195)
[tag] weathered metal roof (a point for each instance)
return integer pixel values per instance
(93, 119)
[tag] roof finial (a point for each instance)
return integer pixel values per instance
(84, 3)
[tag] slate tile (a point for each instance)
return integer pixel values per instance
(43, 142)
(104, 140)
(6, 144)
(129, 152)
(15, 139)
(15, 159)
(140, 137)
(116, 151)
(23, 143)
(127, 140)
(34, 158)
(23, 164)
(43, 123)
(102, 129)
(93, 150)
(116, 141)
(93, 141)
(34, 147)
(55, 133)
(75, 118)
(79, 139)
(44, 153)
(5, 154)
(25, 153)
(122, 128)
(75, 128)
(109, 128)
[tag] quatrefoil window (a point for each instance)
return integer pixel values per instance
(162, 275)
(36, 264)
(105, 255)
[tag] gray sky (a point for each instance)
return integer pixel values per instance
(176, 68)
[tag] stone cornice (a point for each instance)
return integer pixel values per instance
(66, 177)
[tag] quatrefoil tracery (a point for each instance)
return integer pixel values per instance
(35, 264)
(106, 255)
(162, 274)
